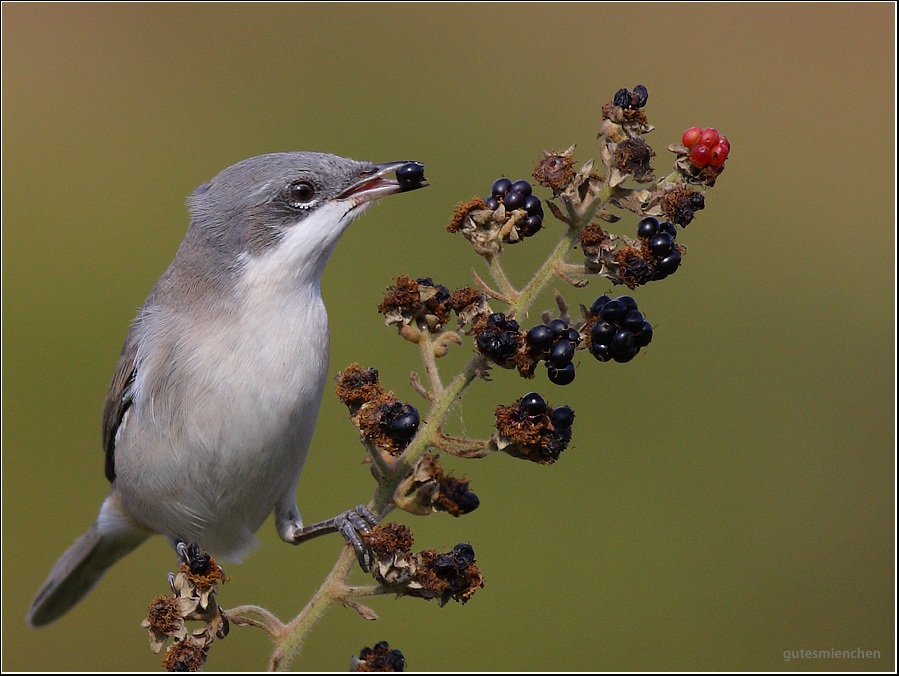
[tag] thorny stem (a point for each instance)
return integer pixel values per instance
(289, 641)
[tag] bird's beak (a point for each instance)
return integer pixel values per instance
(376, 181)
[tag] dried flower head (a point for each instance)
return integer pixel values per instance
(531, 429)
(185, 656)
(427, 574)
(555, 170)
(632, 156)
(428, 489)
(379, 658)
(679, 204)
(357, 386)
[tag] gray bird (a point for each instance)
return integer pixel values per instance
(214, 400)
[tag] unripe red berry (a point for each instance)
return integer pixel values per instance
(709, 137)
(723, 139)
(700, 155)
(718, 154)
(691, 136)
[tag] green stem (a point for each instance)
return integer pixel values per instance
(290, 642)
(580, 220)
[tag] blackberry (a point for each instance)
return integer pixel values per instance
(498, 341)
(622, 98)
(410, 175)
(598, 304)
(561, 376)
(562, 417)
(500, 187)
(562, 352)
(401, 420)
(532, 404)
(661, 244)
(463, 555)
(492, 203)
(513, 200)
(619, 330)
(540, 337)
(640, 96)
(523, 187)
(648, 227)
(669, 264)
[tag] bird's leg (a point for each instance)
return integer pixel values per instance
(349, 524)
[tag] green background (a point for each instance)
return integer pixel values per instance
(729, 494)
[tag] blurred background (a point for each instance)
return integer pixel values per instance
(729, 495)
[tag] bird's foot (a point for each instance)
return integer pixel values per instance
(351, 524)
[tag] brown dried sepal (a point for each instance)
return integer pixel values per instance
(690, 172)
(388, 539)
(403, 296)
(462, 211)
(356, 386)
(208, 579)
(555, 170)
(593, 238)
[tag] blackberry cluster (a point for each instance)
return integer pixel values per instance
(498, 341)
(707, 147)
(380, 658)
(619, 329)
(399, 421)
(658, 239)
(555, 342)
(562, 418)
(517, 195)
(455, 562)
(635, 99)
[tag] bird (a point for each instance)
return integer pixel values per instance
(215, 396)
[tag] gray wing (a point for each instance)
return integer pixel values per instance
(118, 400)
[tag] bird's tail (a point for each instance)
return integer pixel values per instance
(82, 565)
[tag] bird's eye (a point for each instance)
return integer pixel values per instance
(300, 193)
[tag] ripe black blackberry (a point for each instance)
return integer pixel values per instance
(400, 421)
(555, 343)
(631, 99)
(619, 329)
(663, 254)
